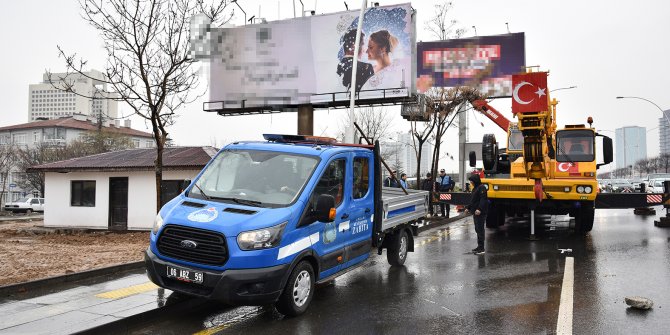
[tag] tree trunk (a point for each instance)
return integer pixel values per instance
(159, 173)
(436, 157)
(160, 137)
(418, 165)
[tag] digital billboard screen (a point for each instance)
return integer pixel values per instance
(487, 62)
(310, 59)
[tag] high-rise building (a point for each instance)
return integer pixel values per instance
(400, 154)
(631, 145)
(664, 133)
(47, 100)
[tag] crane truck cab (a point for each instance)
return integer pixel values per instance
(264, 222)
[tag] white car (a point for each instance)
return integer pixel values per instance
(655, 186)
(25, 205)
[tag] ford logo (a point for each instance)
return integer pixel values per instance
(188, 244)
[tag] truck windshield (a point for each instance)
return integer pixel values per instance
(255, 178)
(515, 140)
(575, 146)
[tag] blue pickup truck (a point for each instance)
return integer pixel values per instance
(264, 222)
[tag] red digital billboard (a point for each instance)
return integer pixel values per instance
(487, 62)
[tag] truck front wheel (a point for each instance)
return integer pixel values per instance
(584, 220)
(396, 254)
(298, 291)
(29, 211)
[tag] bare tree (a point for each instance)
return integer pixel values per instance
(7, 160)
(150, 65)
(446, 101)
(90, 143)
(441, 26)
(374, 121)
(422, 123)
(664, 162)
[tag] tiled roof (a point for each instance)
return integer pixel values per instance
(70, 122)
(174, 158)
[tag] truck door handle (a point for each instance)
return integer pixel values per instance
(367, 210)
(344, 216)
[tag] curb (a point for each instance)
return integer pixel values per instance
(42, 283)
(5, 219)
(438, 223)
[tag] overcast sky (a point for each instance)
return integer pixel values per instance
(606, 48)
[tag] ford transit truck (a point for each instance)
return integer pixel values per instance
(264, 222)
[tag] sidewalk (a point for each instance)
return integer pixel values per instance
(82, 307)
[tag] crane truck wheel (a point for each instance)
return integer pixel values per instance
(584, 220)
(489, 151)
(396, 254)
(495, 217)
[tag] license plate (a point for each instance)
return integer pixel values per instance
(185, 275)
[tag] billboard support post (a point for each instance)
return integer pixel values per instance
(305, 120)
(352, 131)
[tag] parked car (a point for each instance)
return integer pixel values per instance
(655, 186)
(621, 186)
(25, 205)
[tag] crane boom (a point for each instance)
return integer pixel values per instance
(492, 113)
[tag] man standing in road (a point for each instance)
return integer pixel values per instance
(444, 182)
(428, 184)
(479, 205)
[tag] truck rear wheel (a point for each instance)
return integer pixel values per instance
(29, 211)
(396, 254)
(298, 291)
(584, 220)
(495, 217)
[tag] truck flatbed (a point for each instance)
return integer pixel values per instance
(400, 208)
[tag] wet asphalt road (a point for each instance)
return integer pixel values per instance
(514, 288)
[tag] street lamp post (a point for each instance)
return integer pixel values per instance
(651, 102)
(563, 88)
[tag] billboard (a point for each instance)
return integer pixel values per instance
(487, 61)
(309, 59)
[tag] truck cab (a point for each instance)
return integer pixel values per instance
(264, 221)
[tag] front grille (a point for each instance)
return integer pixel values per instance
(530, 188)
(515, 188)
(211, 246)
(554, 188)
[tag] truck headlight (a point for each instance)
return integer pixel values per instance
(580, 189)
(158, 223)
(587, 189)
(262, 238)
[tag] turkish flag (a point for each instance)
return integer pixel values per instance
(571, 168)
(530, 92)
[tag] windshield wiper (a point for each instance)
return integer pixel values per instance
(247, 202)
(560, 149)
(202, 192)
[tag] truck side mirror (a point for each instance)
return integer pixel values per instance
(608, 151)
(473, 159)
(325, 205)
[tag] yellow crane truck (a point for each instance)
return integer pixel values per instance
(555, 173)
